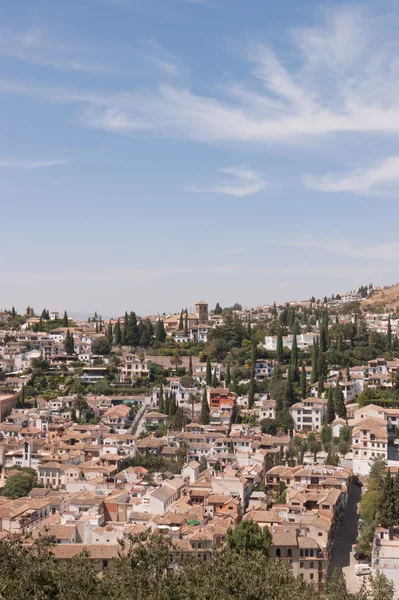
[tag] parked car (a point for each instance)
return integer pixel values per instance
(362, 569)
(359, 555)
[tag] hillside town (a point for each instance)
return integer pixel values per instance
(193, 424)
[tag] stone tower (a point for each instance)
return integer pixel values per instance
(201, 312)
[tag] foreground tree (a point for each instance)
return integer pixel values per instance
(249, 537)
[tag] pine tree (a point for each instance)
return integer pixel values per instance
(228, 376)
(339, 402)
(160, 334)
(279, 349)
(118, 333)
(161, 405)
(110, 334)
(190, 365)
(65, 320)
(304, 384)
(330, 406)
(205, 412)
(186, 323)
(124, 330)
(294, 359)
(44, 314)
(208, 372)
(389, 335)
(181, 326)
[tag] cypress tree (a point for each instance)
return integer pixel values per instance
(161, 399)
(279, 350)
(160, 334)
(315, 361)
(322, 369)
(304, 384)
(23, 395)
(150, 331)
(72, 344)
(68, 343)
(181, 321)
(208, 372)
(100, 325)
(118, 333)
(205, 412)
(249, 329)
(294, 359)
(96, 327)
(44, 314)
(389, 334)
(190, 365)
(172, 405)
(186, 323)
(132, 330)
(65, 320)
(330, 407)
(110, 334)
(251, 394)
(339, 402)
(167, 403)
(228, 376)
(124, 330)
(387, 509)
(13, 312)
(289, 396)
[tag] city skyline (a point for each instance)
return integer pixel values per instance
(154, 153)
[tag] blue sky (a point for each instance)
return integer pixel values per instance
(158, 152)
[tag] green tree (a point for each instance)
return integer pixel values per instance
(186, 323)
(228, 376)
(336, 587)
(387, 506)
(290, 396)
(160, 334)
(190, 365)
(161, 405)
(118, 333)
(68, 343)
(65, 320)
(294, 359)
(251, 393)
(181, 326)
(110, 334)
(101, 346)
(19, 485)
(389, 334)
(279, 349)
(132, 330)
(205, 412)
(304, 385)
(124, 330)
(339, 401)
(248, 537)
(382, 588)
(326, 437)
(330, 406)
(315, 361)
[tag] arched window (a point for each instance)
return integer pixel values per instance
(278, 552)
(289, 553)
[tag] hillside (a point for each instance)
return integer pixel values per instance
(383, 300)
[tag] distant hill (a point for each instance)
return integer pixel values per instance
(383, 300)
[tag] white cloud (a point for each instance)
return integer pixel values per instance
(388, 251)
(241, 182)
(344, 80)
(166, 62)
(32, 46)
(376, 180)
(12, 163)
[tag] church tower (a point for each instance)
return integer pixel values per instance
(201, 312)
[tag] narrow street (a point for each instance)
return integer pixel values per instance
(345, 537)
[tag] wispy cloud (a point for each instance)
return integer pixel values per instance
(166, 62)
(345, 81)
(34, 47)
(388, 251)
(13, 163)
(380, 179)
(241, 182)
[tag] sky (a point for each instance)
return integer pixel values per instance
(154, 153)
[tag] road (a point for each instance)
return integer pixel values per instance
(345, 537)
(138, 423)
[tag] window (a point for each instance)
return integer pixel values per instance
(311, 576)
(311, 565)
(289, 553)
(301, 565)
(278, 552)
(320, 533)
